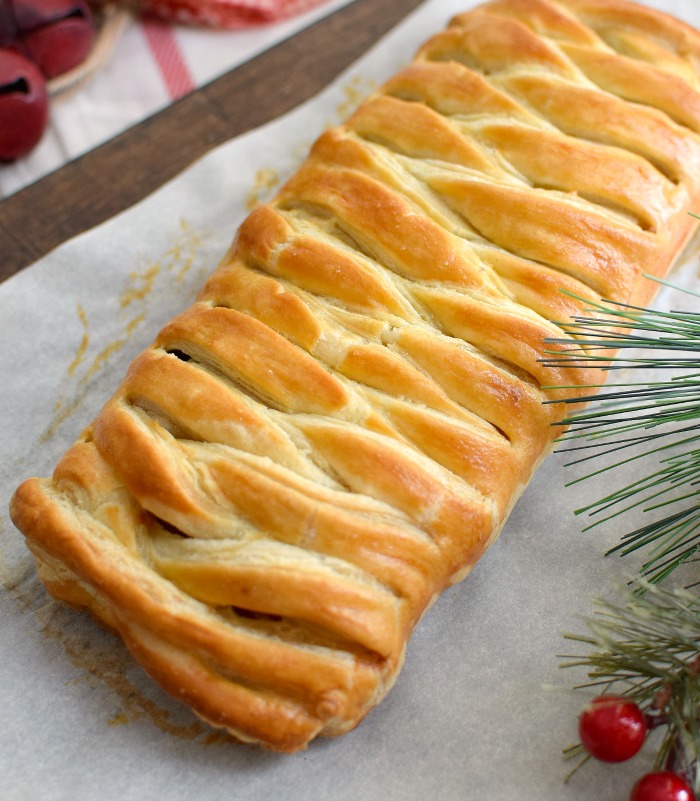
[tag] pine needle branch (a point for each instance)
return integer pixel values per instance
(648, 646)
(648, 649)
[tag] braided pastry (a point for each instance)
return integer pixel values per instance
(338, 427)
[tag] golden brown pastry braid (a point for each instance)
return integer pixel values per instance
(339, 426)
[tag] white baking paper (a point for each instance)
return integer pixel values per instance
(481, 710)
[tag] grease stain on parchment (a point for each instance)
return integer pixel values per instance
(84, 342)
(134, 301)
(18, 578)
(266, 181)
(355, 92)
(21, 583)
(140, 286)
(102, 659)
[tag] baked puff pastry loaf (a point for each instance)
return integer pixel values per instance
(338, 427)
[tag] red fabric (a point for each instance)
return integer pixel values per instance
(226, 13)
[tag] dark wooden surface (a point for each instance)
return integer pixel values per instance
(114, 176)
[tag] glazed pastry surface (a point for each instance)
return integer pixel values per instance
(339, 426)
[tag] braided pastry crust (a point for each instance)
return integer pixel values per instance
(338, 427)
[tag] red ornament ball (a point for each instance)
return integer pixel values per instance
(662, 786)
(612, 728)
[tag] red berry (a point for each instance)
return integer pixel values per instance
(612, 728)
(23, 105)
(663, 786)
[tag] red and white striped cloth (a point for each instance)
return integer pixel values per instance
(171, 62)
(155, 62)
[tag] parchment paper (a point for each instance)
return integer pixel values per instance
(481, 709)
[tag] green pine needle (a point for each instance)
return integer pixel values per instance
(655, 421)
